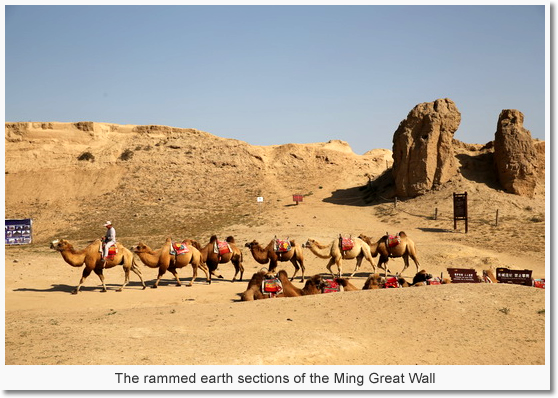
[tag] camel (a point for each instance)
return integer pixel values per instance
(406, 248)
(374, 281)
(165, 261)
(212, 259)
(422, 279)
(346, 284)
(269, 255)
(91, 257)
(254, 289)
(333, 251)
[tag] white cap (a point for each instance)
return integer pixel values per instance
(108, 223)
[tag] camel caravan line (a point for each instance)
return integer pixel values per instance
(174, 255)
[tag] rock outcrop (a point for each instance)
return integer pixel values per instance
(515, 154)
(423, 155)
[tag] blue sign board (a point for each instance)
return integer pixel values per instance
(18, 232)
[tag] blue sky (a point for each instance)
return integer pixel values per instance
(273, 75)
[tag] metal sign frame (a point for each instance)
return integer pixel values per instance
(18, 232)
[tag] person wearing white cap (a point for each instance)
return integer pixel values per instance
(110, 239)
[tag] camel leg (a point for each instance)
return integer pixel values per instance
(301, 262)
(126, 279)
(406, 261)
(238, 268)
(370, 260)
(99, 272)
(162, 271)
(415, 259)
(137, 270)
(272, 265)
(293, 260)
(329, 264)
(175, 274)
(207, 273)
(382, 263)
(194, 274)
(358, 262)
(85, 274)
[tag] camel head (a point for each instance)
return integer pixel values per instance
(309, 243)
(365, 238)
(374, 281)
(421, 276)
(140, 248)
(252, 244)
(60, 245)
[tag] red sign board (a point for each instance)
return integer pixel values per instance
(297, 198)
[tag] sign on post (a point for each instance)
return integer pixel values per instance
(460, 209)
(517, 277)
(18, 232)
(297, 198)
(463, 275)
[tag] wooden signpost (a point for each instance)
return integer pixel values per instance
(460, 209)
(517, 277)
(463, 275)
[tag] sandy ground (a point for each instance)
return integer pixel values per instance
(207, 324)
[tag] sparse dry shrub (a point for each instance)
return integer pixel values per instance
(86, 156)
(126, 155)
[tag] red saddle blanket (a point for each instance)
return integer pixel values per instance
(179, 248)
(112, 251)
(391, 282)
(282, 246)
(393, 240)
(347, 244)
(330, 286)
(434, 281)
(272, 287)
(222, 247)
(538, 283)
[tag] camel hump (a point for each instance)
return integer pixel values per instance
(230, 239)
(402, 234)
(213, 238)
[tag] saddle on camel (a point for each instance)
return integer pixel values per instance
(271, 286)
(221, 247)
(281, 245)
(346, 244)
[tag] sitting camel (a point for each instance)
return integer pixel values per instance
(374, 281)
(254, 289)
(165, 261)
(422, 278)
(333, 251)
(346, 284)
(91, 257)
(269, 255)
(406, 248)
(212, 259)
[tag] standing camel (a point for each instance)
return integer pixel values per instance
(406, 248)
(333, 251)
(165, 261)
(91, 257)
(268, 254)
(212, 259)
